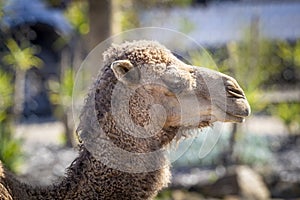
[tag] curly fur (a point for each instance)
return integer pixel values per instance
(91, 178)
(123, 131)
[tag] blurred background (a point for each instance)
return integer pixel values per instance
(43, 43)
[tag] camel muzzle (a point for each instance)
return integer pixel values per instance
(228, 100)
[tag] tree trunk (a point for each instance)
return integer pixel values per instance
(232, 142)
(227, 155)
(100, 17)
(19, 93)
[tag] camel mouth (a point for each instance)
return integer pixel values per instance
(236, 111)
(226, 98)
(234, 118)
(238, 115)
(224, 117)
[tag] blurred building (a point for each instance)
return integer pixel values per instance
(223, 21)
(48, 30)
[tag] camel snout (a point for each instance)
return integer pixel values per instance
(234, 90)
(239, 106)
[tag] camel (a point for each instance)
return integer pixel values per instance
(143, 99)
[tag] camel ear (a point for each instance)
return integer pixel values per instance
(125, 71)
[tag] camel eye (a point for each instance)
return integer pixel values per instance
(159, 67)
(174, 79)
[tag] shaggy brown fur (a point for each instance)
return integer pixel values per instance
(87, 177)
(94, 175)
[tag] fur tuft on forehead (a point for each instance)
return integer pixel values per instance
(138, 52)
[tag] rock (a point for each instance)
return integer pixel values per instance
(286, 189)
(251, 184)
(283, 174)
(238, 181)
(184, 195)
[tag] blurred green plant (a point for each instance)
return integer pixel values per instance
(248, 63)
(76, 13)
(61, 93)
(289, 112)
(179, 194)
(164, 195)
(202, 58)
(129, 20)
(21, 58)
(10, 148)
(290, 53)
(66, 88)
(6, 92)
(186, 26)
(251, 62)
(61, 98)
(1, 8)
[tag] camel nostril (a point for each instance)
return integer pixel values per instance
(233, 90)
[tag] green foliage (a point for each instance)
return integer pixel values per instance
(61, 93)
(61, 98)
(76, 13)
(164, 195)
(67, 86)
(130, 19)
(10, 148)
(1, 10)
(290, 114)
(202, 59)
(6, 92)
(290, 53)
(252, 61)
(186, 26)
(249, 65)
(179, 194)
(181, 3)
(22, 58)
(256, 62)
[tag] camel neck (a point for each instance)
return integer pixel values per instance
(88, 178)
(78, 177)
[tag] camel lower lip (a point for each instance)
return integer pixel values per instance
(234, 118)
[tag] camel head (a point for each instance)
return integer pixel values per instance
(145, 97)
(174, 93)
